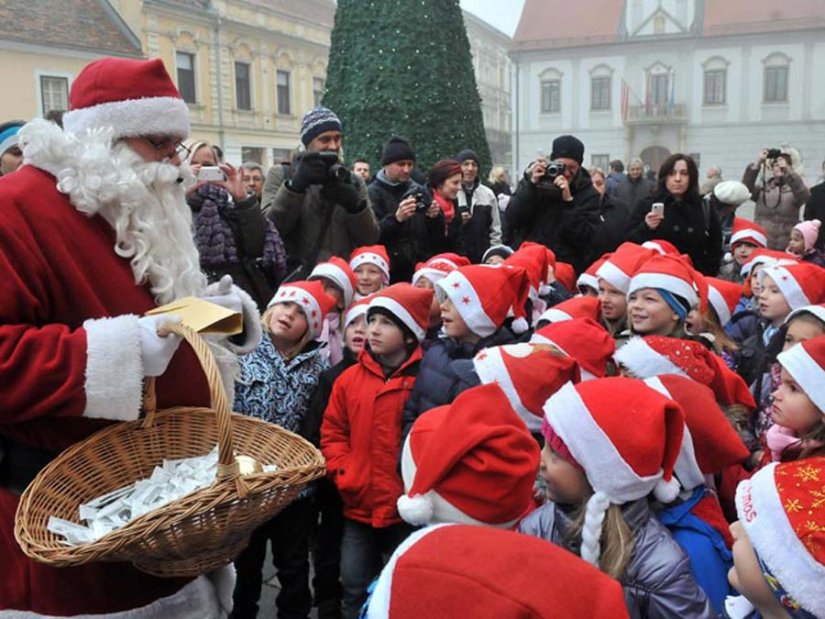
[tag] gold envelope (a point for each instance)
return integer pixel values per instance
(202, 316)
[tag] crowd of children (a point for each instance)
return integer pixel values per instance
(666, 428)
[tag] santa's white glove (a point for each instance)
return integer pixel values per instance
(157, 351)
(226, 295)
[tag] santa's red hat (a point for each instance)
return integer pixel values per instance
(311, 298)
(745, 231)
(356, 310)
(577, 307)
(472, 462)
(622, 265)
(588, 277)
(782, 510)
(533, 259)
(723, 297)
(133, 97)
(459, 571)
(375, 255)
(673, 274)
(439, 266)
(338, 272)
(408, 304)
(584, 340)
(818, 311)
(805, 362)
(566, 275)
(527, 375)
(710, 444)
(551, 255)
(768, 257)
(661, 247)
(483, 295)
(626, 438)
(801, 284)
(654, 355)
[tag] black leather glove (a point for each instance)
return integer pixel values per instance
(310, 171)
(345, 194)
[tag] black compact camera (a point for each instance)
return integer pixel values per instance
(773, 153)
(554, 169)
(336, 171)
(422, 201)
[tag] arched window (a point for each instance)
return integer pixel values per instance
(715, 81)
(601, 83)
(550, 91)
(776, 74)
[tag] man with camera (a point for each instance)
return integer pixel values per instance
(480, 224)
(778, 198)
(320, 208)
(411, 224)
(556, 204)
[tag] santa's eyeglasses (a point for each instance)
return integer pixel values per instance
(164, 144)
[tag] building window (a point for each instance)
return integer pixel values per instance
(600, 161)
(776, 84)
(54, 93)
(715, 86)
(600, 93)
(243, 95)
(658, 89)
(252, 153)
(281, 155)
(186, 75)
(282, 80)
(551, 96)
(317, 91)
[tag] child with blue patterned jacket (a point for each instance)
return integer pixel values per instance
(276, 383)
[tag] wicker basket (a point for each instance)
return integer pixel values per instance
(195, 534)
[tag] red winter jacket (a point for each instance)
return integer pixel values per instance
(361, 437)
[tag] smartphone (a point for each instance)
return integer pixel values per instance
(210, 174)
(658, 208)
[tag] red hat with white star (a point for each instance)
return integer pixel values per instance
(527, 375)
(782, 508)
(577, 307)
(805, 362)
(471, 462)
(375, 255)
(801, 284)
(438, 267)
(311, 298)
(723, 297)
(338, 272)
(459, 571)
(745, 231)
(409, 304)
(622, 265)
(582, 339)
(483, 295)
(132, 97)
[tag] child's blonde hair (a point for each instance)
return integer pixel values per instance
(299, 346)
(609, 541)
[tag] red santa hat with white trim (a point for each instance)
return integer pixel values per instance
(356, 310)
(132, 97)
(767, 257)
(458, 571)
(438, 267)
(527, 375)
(801, 284)
(621, 266)
(723, 297)
(577, 307)
(817, 311)
(673, 274)
(710, 444)
(782, 511)
(588, 425)
(745, 231)
(375, 255)
(582, 339)
(805, 362)
(565, 274)
(408, 304)
(471, 462)
(311, 298)
(661, 247)
(533, 259)
(588, 277)
(339, 273)
(483, 296)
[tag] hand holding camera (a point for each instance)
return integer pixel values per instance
(319, 168)
(537, 171)
(406, 208)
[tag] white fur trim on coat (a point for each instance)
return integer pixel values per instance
(114, 368)
(150, 116)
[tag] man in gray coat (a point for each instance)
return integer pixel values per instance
(320, 209)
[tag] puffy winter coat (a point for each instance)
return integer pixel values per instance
(657, 582)
(777, 204)
(361, 437)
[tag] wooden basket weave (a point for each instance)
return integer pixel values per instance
(195, 534)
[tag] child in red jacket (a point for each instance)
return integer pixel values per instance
(361, 435)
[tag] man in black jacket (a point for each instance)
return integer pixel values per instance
(411, 225)
(815, 208)
(559, 210)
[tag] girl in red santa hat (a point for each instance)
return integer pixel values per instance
(710, 323)
(371, 265)
(340, 283)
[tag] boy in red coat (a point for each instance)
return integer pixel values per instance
(361, 435)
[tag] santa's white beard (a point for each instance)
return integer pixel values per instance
(143, 201)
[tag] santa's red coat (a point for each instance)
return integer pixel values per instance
(59, 378)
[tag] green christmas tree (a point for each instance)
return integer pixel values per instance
(403, 67)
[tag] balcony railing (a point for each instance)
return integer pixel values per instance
(659, 113)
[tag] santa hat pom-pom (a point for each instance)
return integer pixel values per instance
(519, 326)
(417, 510)
(667, 491)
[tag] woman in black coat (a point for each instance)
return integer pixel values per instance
(687, 222)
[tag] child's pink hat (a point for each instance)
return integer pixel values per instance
(809, 231)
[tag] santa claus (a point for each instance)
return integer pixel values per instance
(95, 231)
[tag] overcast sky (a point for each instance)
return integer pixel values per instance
(503, 14)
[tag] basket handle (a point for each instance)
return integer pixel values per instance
(228, 468)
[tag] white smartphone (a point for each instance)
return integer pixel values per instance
(658, 208)
(210, 174)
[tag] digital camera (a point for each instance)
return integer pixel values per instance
(422, 202)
